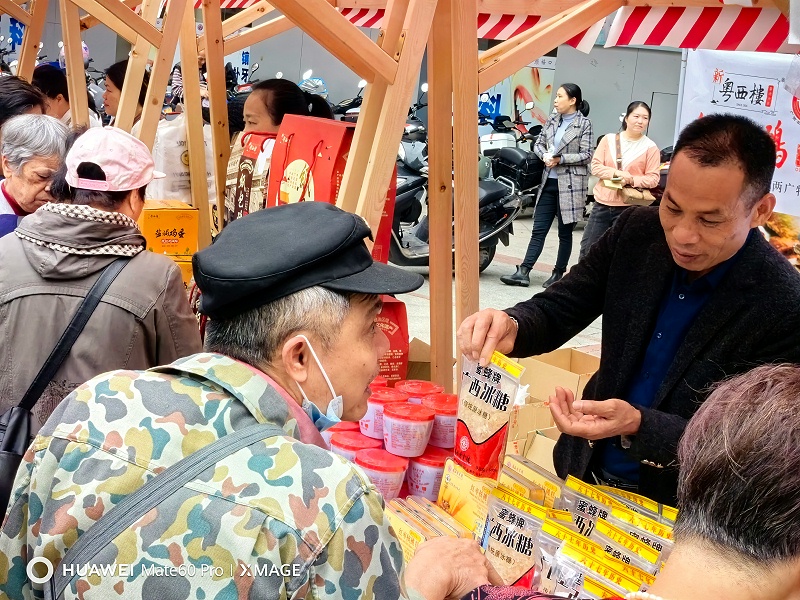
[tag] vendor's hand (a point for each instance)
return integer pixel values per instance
(484, 332)
(591, 419)
(446, 567)
(552, 162)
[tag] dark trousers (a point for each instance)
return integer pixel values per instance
(601, 220)
(546, 210)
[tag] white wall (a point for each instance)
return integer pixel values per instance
(611, 78)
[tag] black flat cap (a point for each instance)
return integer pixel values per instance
(275, 252)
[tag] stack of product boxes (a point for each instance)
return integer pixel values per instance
(170, 228)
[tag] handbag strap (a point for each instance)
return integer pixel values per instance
(62, 349)
(134, 506)
(619, 151)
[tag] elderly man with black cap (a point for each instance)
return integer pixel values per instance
(291, 345)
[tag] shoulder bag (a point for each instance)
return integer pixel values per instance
(15, 423)
(634, 196)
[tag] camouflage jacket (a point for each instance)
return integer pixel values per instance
(278, 519)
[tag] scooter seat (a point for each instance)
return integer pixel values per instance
(489, 191)
(515, 156)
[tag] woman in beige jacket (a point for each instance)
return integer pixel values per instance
(640, 162)
(56, 254)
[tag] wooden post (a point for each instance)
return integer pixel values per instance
(465, 153)
(256, 34)
(137, 62)
(440, 194)
(73, 53)
(232, 24)
(159, 74)
(395, 109)
(31, 38)
(215, 72)
(374, 95)
(14, 10)
(194, 127)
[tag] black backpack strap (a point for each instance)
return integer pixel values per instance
(76, 325)
(134, 506)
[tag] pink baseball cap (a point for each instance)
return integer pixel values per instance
(125, 160)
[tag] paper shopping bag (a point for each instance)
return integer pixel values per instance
(309, 159)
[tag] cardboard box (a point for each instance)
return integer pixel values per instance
(569, 368)
(186, 271)
(540, 448)
(523, 421)
(170, 227)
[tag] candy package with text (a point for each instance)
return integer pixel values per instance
(485, 399)
(536, 478)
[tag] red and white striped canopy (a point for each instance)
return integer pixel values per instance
(726, 27)
(490, 26)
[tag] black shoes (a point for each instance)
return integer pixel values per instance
(520, 277)
(557, 274)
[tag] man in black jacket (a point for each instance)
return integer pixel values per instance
(690, 293)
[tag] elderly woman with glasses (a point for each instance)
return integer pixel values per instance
(32, 151)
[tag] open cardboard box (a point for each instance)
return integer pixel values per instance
(569, 368)
(419, 361)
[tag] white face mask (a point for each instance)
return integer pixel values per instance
(335, 407)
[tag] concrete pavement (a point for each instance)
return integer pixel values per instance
(495, 294)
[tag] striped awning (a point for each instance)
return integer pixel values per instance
(490, 26)
(726, 27)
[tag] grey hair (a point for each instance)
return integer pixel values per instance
(255, 336)
(28, 136)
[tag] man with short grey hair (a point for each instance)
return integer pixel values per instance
(292, 294)
(32, 151)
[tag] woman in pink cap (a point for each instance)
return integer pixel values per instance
(57, 253)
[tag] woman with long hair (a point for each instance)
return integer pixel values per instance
(565, 146)
(639, 161)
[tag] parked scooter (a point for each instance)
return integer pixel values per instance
(505, 133)
(348, 110)
(498, 204)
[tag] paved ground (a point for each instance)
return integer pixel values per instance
(495, 294)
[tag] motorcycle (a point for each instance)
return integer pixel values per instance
(347, 110)
(505, 133)
(499, 203)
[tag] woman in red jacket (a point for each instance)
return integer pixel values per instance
(640, 162)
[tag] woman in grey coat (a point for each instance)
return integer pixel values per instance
(565, 146)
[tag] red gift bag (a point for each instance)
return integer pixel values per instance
(380, 250)
(393, 321)
(308, 160)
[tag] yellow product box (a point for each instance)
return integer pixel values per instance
(508, 480)
(635, 502)
(465, 497)
(569, 368)
(186, 270)
(170, 227)
(630, 543)
(642, 522)
(408, 532)
(440, 516)
(536, 476)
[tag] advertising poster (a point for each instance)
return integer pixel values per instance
(752, 84)
(533, 83)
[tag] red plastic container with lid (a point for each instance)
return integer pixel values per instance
(379, 382)
(372, 421)
(348, 443)
(407, 428)
(425, 472)
(418, 389)
(444, 426)
(387, 472)
(338, 428)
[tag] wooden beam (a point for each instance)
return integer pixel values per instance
(440, 195)
(102, 15)
(116, 15)
(256, 34)
(548, 8)
(233, 24)
(162, 67)
(215, 73)
(416, 28)
(369, 115)
(73, 54)
(194, 129)
(465, 156)
(31, 38)
(89, 21)
(510, 56)
(137, 62)
(340, 37)
(14, 10)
